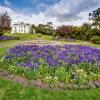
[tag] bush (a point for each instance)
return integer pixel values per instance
(1, 32)
(79, 32)
(44, 29)
(64, 31)
(95, 39)
(93, 32)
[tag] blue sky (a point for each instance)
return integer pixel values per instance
(73, 12)
(32, 6)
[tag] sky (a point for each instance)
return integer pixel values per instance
(68, 12)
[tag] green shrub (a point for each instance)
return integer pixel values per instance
(64, 31)
(61, 73)
(95, 39)
(93, 32)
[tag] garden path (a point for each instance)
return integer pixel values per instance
(40, 42)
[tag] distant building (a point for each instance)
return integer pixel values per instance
(21, 27)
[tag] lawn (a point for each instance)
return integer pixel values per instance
(10, 90)
(13, 91)
(28, 36)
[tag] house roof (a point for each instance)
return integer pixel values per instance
(22, 23)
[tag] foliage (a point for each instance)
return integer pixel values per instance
(95, 17)
(95, 39)
(44, 29)
(78, 32)
(75, 32)
(83, 32)
(94, 32)
(64, 31)
(54, 76)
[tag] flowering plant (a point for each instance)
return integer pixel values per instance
(8, 38)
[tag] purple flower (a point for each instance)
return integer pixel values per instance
(8, 38)
(33, 56)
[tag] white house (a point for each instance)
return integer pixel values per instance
(21, 27)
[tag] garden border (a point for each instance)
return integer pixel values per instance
(38, 83)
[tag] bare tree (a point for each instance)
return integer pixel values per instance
(5, 23)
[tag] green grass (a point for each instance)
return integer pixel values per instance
(13, 91)
(28, 36)
(80, 42)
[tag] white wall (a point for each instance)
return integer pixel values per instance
(20, 28)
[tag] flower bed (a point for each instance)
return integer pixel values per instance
(2, 38)
(70, 66)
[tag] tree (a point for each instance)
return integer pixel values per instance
(86, 26)
(95, 17)
(44, 29)
(78, 32)
(40, 29)
(5, 23)
(64, 31)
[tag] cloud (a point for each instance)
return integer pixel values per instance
(18, 17)
(39, 18)
(62, 12)
(69, 10)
